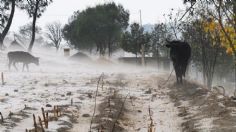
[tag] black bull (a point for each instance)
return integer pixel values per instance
(180, 53)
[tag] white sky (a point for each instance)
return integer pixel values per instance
(61, 10)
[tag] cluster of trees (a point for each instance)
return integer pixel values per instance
(211, 32)
(98, 27)
(34, 9)
(221, 16)
(105, 28)
(208, 25)
(209, 28)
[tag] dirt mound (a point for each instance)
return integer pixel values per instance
(80, 56)
(103, 61)
(203, 109)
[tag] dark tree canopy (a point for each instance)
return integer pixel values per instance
(4, 12)
(133, 40)
(191, 1)
(159, 35)
(35, 6)
(99, 26)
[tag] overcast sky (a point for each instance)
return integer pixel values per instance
(61, 10)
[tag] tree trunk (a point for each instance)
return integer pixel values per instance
(234, 12)
(143, 54)
(9, 22)
(158, 59)
(57, 48)
(204, 63)
(209, 82)
(1, 42)
(234, 75)
(33, 26)
(57, 45)
(90, 50)
(109, 49)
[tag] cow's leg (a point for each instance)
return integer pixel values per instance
(27, 66)
(9, 65)
(23, 66)
(14, 64)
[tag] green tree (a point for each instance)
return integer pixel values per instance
(132, 41)
(207, 51)
(158, 38)
(101, 26)
(222, 13)
(34, 8)
(70, 34)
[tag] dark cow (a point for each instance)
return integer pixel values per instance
(180, 53)
(21, 57)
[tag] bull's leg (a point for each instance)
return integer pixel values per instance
(177, 79)
(181, 80)
(180, 74)
(184, 68)
(176, 75)
(14, 64)
(176, 72)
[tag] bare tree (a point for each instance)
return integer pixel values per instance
(54, 33)
(24, 33)
(35, 9)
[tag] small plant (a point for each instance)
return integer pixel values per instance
(45, 118)
(2, 76)
(1, 117)
(41, 124)
(35, 124)
(95, 99)
(151, 126)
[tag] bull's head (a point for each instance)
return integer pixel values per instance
(168, 45)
